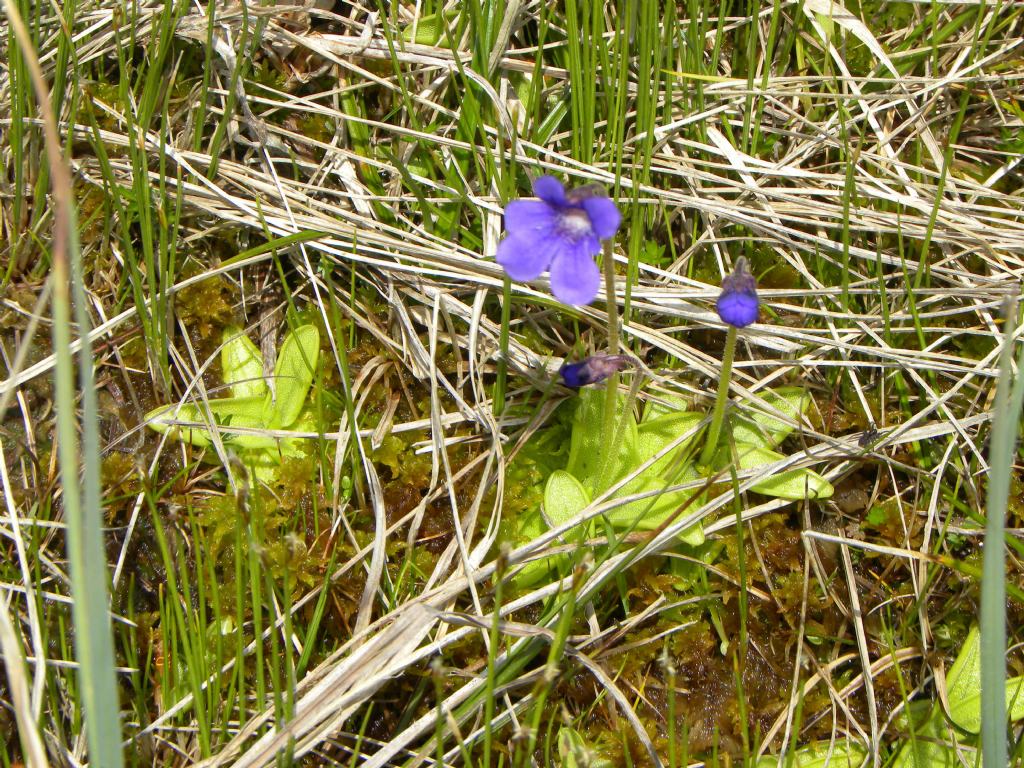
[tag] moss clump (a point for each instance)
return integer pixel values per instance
(206, 307)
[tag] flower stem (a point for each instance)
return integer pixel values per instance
(723, 395)
(612, 385)
(498, 393)
(613, 304)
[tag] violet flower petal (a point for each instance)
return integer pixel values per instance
(530, 214)
(575, 277)
(604, 216)
(575, 375)
(560, 233)
(526, 254)
(550, 190)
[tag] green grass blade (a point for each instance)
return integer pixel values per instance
(993, 587)
(83, 509)
(83, 512)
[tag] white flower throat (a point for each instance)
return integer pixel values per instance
(574, 223)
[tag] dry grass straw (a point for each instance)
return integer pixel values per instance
(437, 290)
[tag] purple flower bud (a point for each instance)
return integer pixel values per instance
(592, 370)
(738, 304)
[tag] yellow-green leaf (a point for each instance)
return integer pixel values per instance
(242, 364)
(649, 513)
(564, 497)
(762, 425)
(663, 405)
(166, 420)
(293, 376)
(841, 754)
(658, 433)
(249, 441)
(964, 678)
(963, 687)
(931, 743)
(587, 460)
(429, 29)
(795, 484)
(169, 418)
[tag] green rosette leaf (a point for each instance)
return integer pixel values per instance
(242, 364)
(648, 513)
(564, 498)
(841, 754)
(793, 484)
(762, 425)
(575, 752)
(169, 419)
(933, 743)
(664, 405)
(655, 435)
(293, 376)
(587, 460)
(963, 687)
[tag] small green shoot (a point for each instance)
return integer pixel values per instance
(253, 405)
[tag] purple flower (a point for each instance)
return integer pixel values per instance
(738, 305)
(591, 370)
(561, 232)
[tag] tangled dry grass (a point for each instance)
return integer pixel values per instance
(331, 162)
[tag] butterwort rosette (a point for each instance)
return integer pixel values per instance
(559, 233)
(738, 304)
(592, 370)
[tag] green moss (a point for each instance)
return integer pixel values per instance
(206, 307)
(119, 474)
(772, 272)
(404, 465)
(317, 126)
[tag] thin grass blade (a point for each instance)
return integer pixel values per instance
(993, 587)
